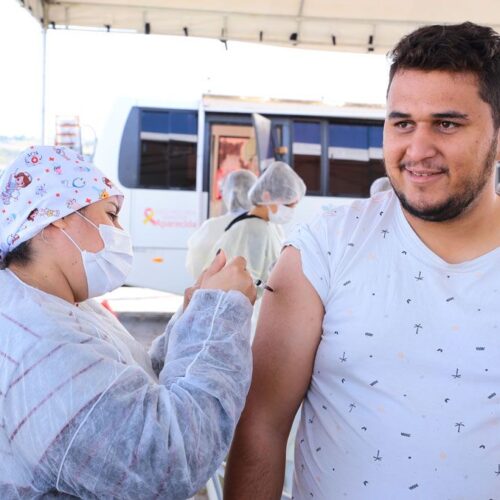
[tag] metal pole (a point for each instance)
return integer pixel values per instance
(200, 157)
(44, 79)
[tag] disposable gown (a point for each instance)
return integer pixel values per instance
(201, 242)
(255, 239)
(84, 413)
(260, 242)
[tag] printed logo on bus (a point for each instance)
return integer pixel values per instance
(178, 219)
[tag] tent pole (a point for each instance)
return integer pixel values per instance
(44, 80)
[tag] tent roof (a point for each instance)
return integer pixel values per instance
(352, 25)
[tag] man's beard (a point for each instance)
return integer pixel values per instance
(457, 203)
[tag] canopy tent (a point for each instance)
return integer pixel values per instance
(349, 25)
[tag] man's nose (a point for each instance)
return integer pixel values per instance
(421, 145)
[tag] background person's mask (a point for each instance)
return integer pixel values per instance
(283, 214)
(108, 268)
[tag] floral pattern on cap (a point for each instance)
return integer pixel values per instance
(43, 184)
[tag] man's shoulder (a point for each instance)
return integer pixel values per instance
(344, 220)
(369, 207)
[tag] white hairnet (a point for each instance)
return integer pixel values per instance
(380, 184)
(279, 184)
(235, 190)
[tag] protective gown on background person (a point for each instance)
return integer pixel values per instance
(257, 240)
(83, 408)
(235, 198)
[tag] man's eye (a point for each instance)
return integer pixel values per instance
(402, 125)
(448, 125)
(113, 216)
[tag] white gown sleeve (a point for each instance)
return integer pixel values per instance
(128, 437)
(158, 350)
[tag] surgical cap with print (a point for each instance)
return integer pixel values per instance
(279, 184)
(44, 184)
(235, 190)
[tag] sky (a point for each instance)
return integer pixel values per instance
(88, 71)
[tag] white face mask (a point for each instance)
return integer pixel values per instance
(107, 269)
(283, 215)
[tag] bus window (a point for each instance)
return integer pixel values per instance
(306, 151)
(158, 149)
(355, 159)
(168, 164)
(375, 136)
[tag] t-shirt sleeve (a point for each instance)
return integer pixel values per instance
(311, 240)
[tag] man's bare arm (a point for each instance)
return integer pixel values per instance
(284, 349)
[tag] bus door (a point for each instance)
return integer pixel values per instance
(233, 141)
(272, 138)
(230, 141)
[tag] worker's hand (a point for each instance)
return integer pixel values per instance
(220, 276)
(229, 276)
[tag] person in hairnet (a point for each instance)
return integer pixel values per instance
(235, 197)
(84, 410)
(257, 235)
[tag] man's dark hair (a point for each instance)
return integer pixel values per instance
(458, 48)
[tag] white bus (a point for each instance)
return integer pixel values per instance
(170, 160)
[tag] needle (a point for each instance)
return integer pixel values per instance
(260, 284)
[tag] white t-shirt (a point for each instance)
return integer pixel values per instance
(404, 400)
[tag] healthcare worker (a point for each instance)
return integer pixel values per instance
(235, 197)
(84, 410)
(258, 235)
